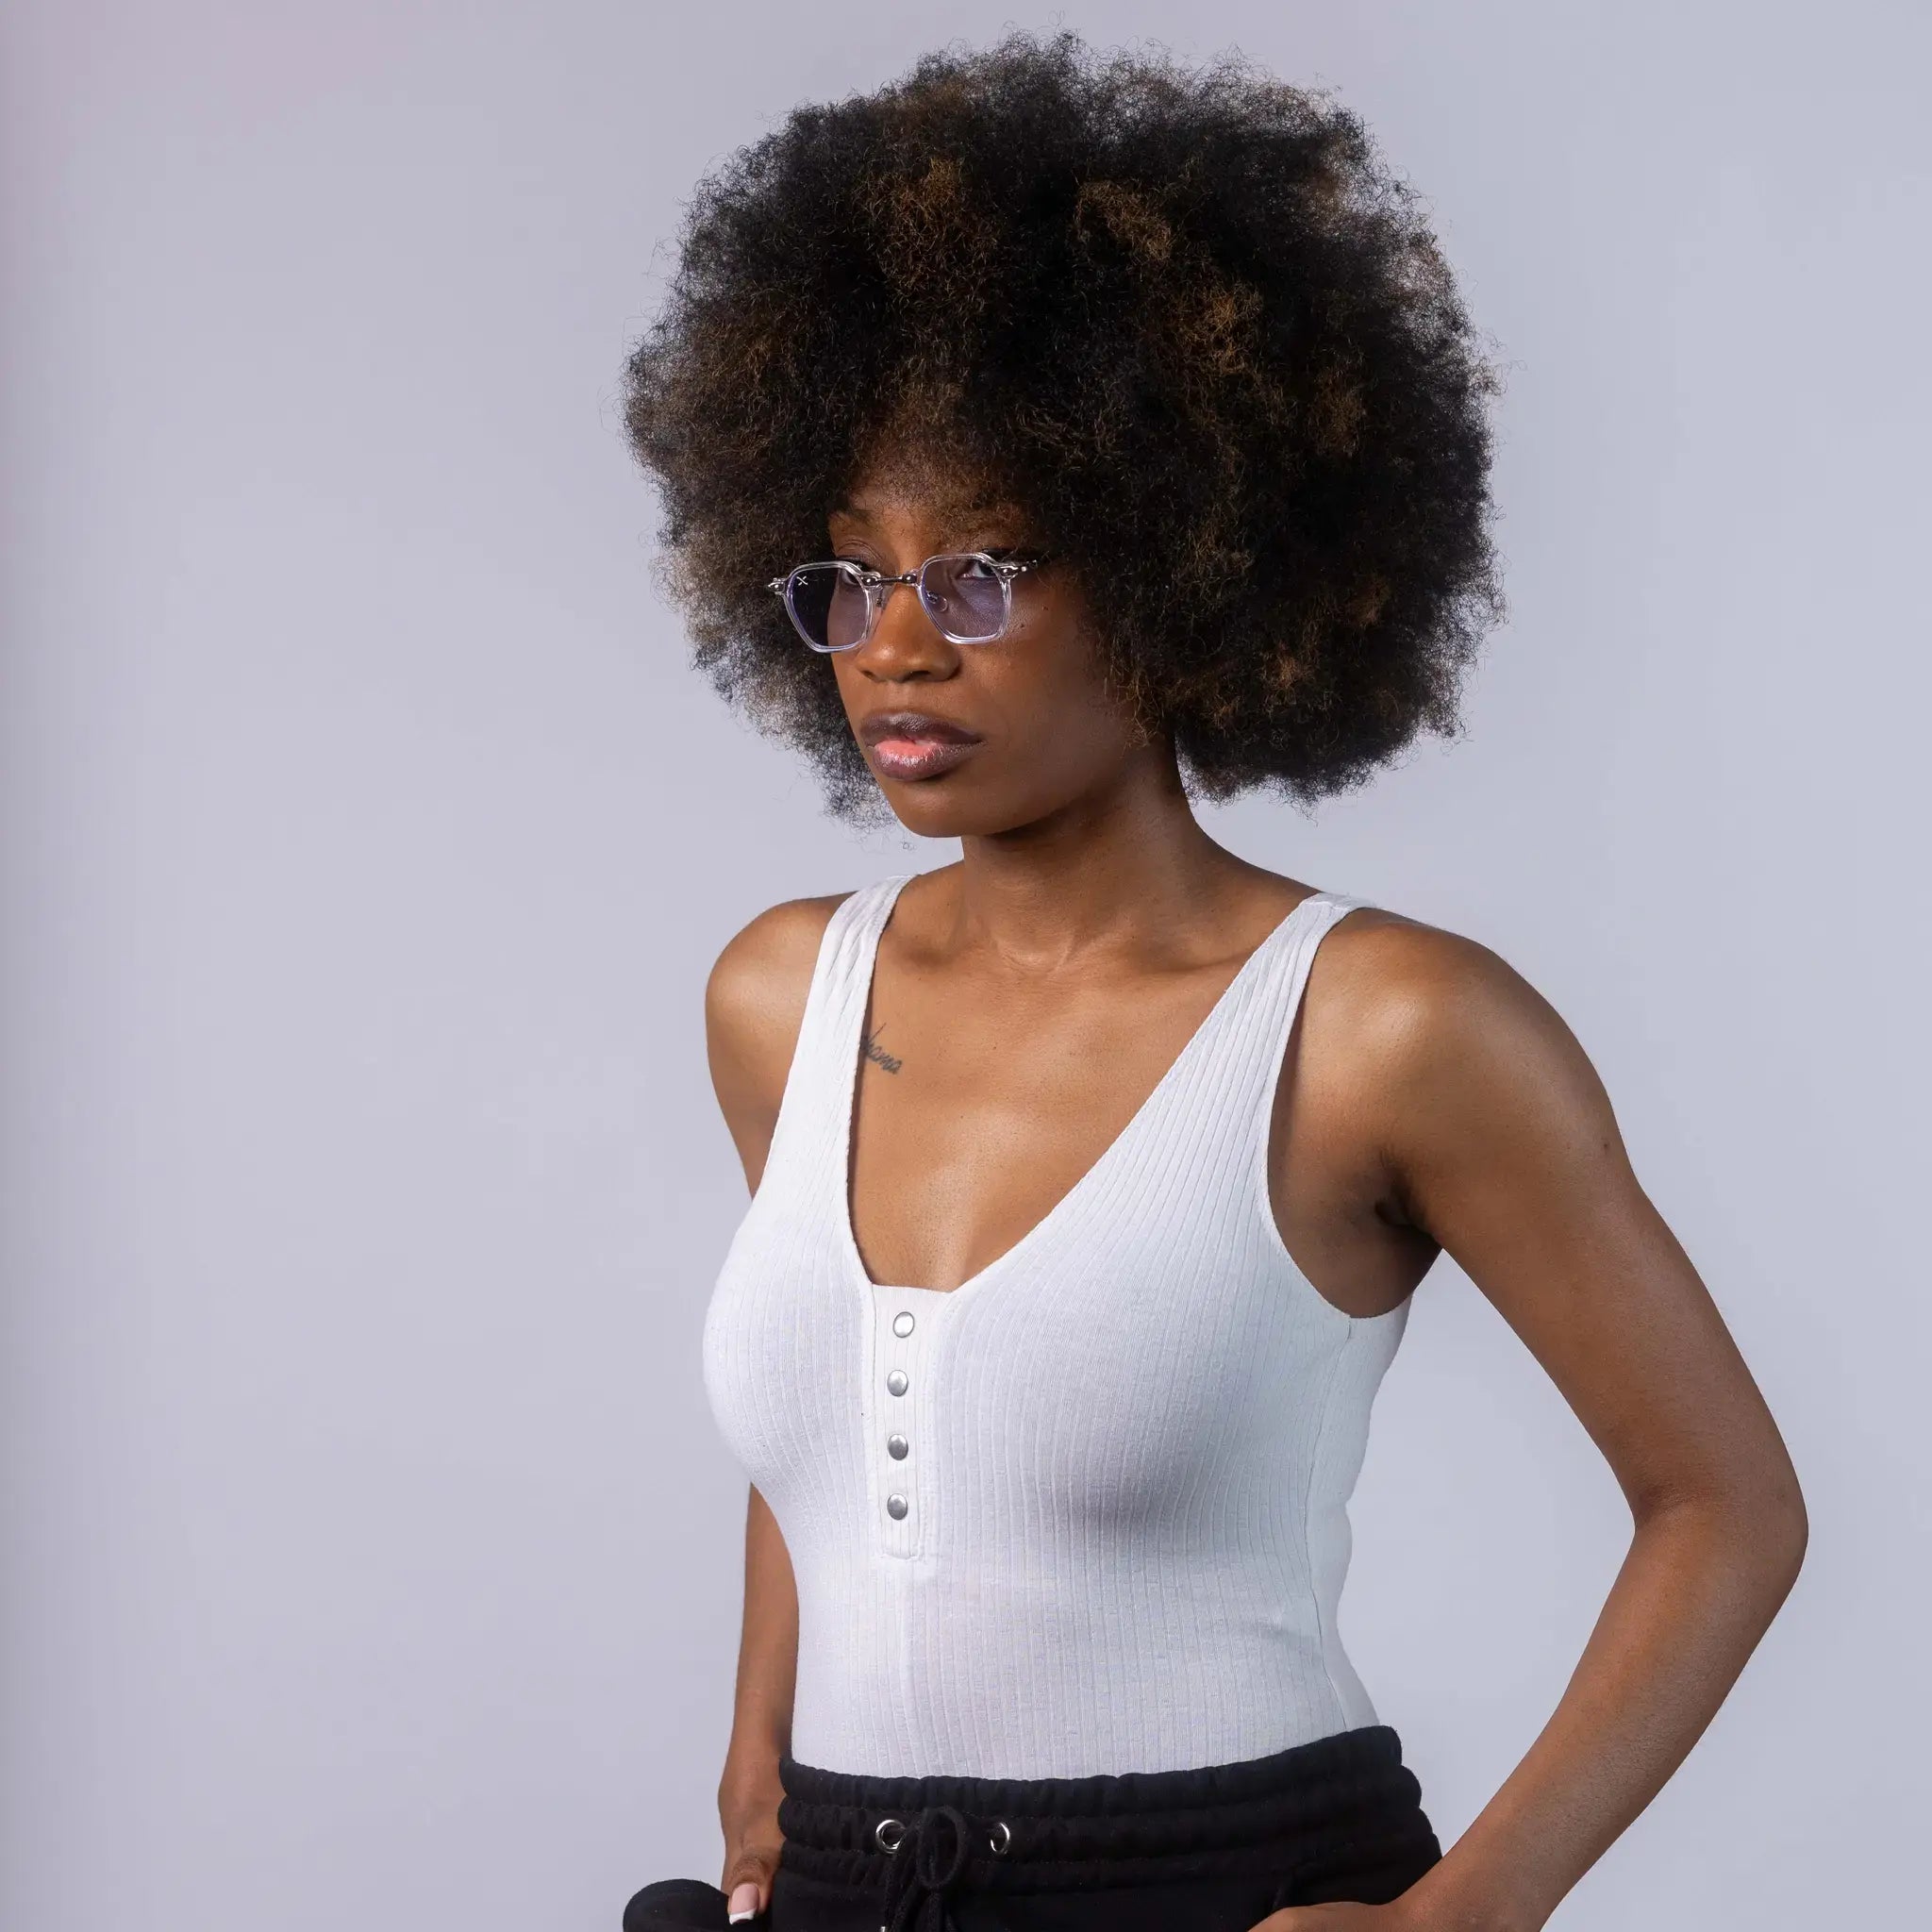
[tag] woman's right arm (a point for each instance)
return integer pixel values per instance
(754, 1005)
(749, 1790)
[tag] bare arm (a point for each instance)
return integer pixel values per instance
(748, 1788)
(753, 1004)
(1499, 1141)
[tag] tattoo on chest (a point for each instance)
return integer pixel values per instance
(877, 1054)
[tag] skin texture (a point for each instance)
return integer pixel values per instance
(1029, 996)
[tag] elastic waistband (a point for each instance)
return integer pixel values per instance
(852, 1827)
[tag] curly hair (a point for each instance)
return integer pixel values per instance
(1185, 319)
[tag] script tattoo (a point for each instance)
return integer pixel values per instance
(877, 1054)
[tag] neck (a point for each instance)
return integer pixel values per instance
(1127, 868)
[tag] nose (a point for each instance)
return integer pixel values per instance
(905, 642)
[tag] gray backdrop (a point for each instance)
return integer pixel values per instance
(370, 1561)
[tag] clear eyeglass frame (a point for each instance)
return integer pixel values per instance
(878, 586)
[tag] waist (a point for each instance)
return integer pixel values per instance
(1342, 1808)
(956, 1671)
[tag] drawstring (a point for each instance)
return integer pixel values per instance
(938, 1842)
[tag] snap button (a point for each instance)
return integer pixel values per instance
(902, 1322)
(896, 1447)
(896, 1506)
(896, 1381)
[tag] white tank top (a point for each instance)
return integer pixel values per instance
(1087, 1512)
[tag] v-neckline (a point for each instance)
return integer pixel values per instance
(877, 918)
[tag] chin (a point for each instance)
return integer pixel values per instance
(938, 808)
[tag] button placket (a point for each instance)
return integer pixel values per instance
(904, 1333)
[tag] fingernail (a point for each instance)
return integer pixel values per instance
(745, 1902)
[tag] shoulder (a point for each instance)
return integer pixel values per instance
(760, 979)
(755, 998)
(1404, 980)
(769, 953)
(1450, 1045)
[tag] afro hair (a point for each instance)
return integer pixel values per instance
(1184, 318)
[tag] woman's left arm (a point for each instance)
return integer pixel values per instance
(1500, 1142)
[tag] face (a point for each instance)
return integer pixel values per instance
(1046, 736)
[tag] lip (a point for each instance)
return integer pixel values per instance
(916, 745)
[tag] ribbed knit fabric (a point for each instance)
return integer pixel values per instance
(1130, 1439)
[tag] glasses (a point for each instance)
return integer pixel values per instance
(968, 595)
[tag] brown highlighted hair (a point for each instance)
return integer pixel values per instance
(1186, 319)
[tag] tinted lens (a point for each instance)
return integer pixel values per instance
(964, 597)
(828, 605)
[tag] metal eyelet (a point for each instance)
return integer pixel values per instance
(890, 1844)
(999, 1837)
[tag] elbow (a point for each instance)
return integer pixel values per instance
(1775, 1531)
(1763, 1527)
(1781, 1523)
(1793, 1529)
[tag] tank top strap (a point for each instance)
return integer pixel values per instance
(811, 1110)
(1258, 1043)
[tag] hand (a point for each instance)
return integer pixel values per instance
(749, 1868)
(748, 1811)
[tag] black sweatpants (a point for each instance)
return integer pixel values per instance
(1210, 1848)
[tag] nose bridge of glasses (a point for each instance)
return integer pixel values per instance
(932, 580)
(879, 587)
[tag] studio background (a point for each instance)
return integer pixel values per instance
(370, 1561)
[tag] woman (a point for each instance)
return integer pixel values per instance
(1045, 440)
